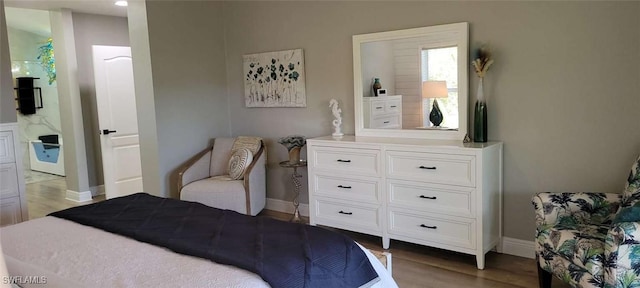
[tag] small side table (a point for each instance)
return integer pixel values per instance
(296, 187)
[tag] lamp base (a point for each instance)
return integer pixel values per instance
(436, 115)
(296, 217)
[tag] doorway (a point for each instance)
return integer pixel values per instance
(88, 30)
(38, 112)
(33, 67)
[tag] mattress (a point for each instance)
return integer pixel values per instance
(68, 254)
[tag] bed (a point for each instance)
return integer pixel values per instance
(69, 254)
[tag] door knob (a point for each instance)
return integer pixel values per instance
(107, 131)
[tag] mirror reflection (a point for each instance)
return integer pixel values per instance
(409, 71)
(412, 83)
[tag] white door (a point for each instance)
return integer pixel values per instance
(118, 121)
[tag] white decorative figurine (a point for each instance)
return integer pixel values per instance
(337, 123)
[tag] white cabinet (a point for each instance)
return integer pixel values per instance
(10, 211)
(347, 187)
(13, 202)
(443, 194)
(383, 112)
(9, 180)
(7, 154)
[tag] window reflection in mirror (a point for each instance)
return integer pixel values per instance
(441, 64)
(397, 59)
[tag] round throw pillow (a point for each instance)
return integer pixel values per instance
(238, 163)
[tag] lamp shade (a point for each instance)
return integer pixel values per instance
(434, 89)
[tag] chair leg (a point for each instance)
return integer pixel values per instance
(544, 277)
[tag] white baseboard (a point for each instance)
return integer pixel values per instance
(97, 190)
(286, 206)
(518, 247)
(76, 196)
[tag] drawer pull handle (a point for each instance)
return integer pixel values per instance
(393, 106)
(379, 107)
(428, 167)
(386, 122)
(344, 161)
(345, 213)
(427, 226)
(428, 197)
(344, 187)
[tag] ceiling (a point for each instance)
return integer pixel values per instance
(33, 15)
(102, 7)
(34, 21)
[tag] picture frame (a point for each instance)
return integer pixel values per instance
(382, 92)
(274, 79)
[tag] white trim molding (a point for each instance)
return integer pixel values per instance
(517, 247)
(286, 206)
(79, 197)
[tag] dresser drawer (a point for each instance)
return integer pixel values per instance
(432, 167)
(347, 188)
(394, 106)
(6, 147)
(8, 180)
(377, 107)
(350, 160)
(455, 232)
(450, 200)
(390, 121)
(347, 216)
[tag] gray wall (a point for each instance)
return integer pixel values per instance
(564, 98)
(7, 104)
(563, 93)
(90, 29)
(188, 67)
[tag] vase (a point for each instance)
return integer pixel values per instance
(436, 115)
(480, 116)
(376, 86)
(480, 122)
(294, 155)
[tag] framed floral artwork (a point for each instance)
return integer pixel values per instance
(274, 79)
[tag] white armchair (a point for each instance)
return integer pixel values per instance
(205, 177)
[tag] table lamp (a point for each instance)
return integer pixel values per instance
(435, 89)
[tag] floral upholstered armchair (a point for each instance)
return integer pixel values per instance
(590, 239)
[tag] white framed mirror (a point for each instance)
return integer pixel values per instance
(406, 63)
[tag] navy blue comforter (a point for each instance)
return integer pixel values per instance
(283, 254)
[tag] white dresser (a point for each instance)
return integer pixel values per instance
(438, 193)
(13, 202)
(382, 112)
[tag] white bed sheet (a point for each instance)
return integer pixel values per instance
(73, 255)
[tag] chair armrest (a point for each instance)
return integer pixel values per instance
(196, 168)
(622, 254)
(623, 233)
(255, 182)
(572, 208)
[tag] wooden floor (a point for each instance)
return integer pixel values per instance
(413, 265)
(424, 267)
(49, 196)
